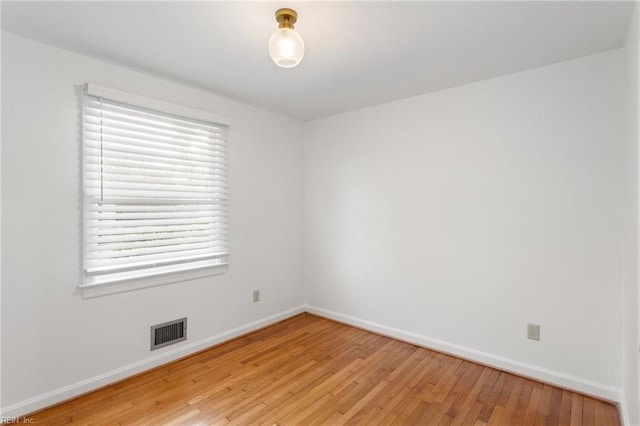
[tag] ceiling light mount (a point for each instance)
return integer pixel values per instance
(286, 18)
(286, 47)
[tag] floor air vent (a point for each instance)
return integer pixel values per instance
(168, 333)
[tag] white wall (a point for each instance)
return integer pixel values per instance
(55, 343)
(631, 328)
(457, 217)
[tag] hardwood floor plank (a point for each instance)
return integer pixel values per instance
(310, 370)
(296, 417)
(327, 410)
(588, 411)
(369, 416)
(543, 407)
(516, 385)
(496, 415)
(576, 409)
(483, 396)
(492, 398)
(532, 408)
(438, 411)
(389, 407)
(472, 417)
(611, 414)
(564, 415)
(363, 401)
(415, 418)
(553, 416)
(445, 385)
(523, 402)
(461, 415)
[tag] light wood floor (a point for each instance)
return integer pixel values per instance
(309, 370)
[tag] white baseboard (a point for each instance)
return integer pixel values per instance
(541, 374)
(75, 389)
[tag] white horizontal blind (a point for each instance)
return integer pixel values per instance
(155, 192)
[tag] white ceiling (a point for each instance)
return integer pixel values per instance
(357, 53)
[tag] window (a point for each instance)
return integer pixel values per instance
(154, 191)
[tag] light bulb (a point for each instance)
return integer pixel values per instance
(286, 48)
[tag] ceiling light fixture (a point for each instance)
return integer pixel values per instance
(286, 47)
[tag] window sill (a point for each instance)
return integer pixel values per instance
(98, 289)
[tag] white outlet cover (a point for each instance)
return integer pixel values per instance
(533, 331)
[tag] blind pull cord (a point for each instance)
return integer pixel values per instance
(101, 157)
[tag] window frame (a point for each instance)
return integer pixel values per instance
(156, 276)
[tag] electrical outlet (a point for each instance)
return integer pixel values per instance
(256, 296)
(533, 331)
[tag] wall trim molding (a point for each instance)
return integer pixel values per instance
(181, 351)
(541, 374)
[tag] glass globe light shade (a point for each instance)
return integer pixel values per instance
(286, 48)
